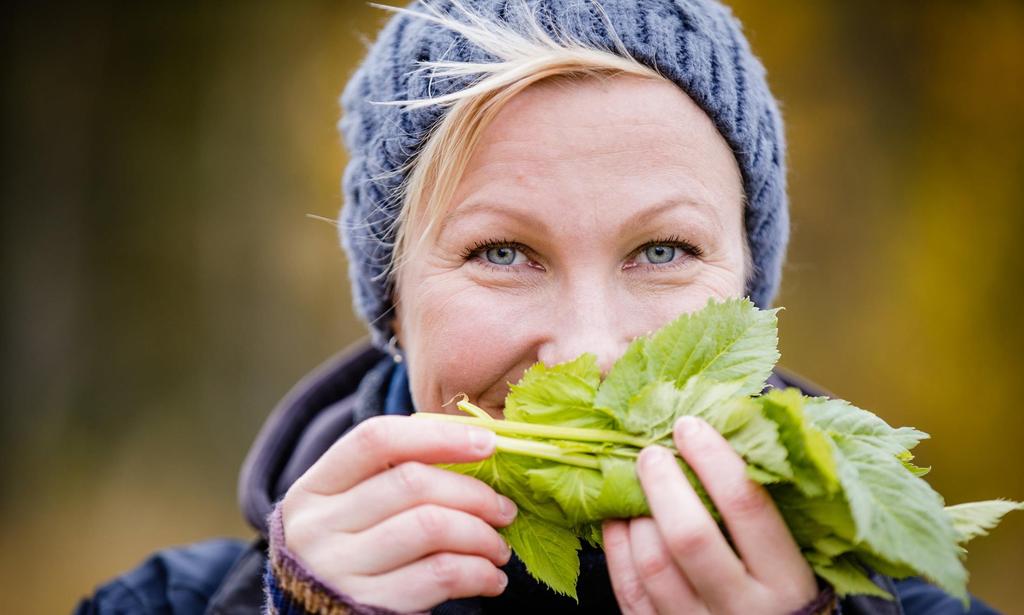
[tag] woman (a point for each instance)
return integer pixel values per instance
(528, 182)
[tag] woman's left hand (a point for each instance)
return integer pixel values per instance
(678, 561)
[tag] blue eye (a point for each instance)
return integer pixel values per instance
(659, 253)
(501, 255)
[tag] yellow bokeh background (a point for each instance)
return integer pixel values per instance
(165, 287)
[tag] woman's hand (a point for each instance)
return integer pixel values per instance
(374, 521)
(678, 561)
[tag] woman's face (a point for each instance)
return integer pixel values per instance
(592, 212)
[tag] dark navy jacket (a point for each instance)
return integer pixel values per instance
(224, 577)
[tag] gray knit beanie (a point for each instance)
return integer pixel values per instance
(697, 44)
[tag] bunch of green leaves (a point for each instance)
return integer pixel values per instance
(842, 478)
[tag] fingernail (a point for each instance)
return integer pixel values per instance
(506, 551)
(502, 581)
(687, 426)
(482, 441)
(652, 455)
(507, 508)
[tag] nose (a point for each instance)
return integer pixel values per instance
(586, 319)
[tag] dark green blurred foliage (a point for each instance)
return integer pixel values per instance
(164, 287)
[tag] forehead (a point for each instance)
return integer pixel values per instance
(591, 145)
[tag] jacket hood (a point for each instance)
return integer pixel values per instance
(316, 412)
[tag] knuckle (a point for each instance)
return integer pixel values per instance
(445, 569)
(431, 521)
(747, 500)
(411, 478)
(633, 595)
(687, 541)
(795, 595)
(653, 565)
(372, 434)
(297, 531)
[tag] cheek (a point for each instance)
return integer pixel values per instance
(461, 338)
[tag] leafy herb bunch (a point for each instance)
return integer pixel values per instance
(842, 478)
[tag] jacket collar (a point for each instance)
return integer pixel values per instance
(317, 410)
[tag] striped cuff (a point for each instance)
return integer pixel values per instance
(291, 589)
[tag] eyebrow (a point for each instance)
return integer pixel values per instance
(489, 207)
(653, 211)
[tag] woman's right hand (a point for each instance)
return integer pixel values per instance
(373, 520)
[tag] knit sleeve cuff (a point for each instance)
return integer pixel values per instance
(823, 604)
(292, 589)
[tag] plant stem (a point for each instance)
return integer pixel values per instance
(517, 428)
(532, 448)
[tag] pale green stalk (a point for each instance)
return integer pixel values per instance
(534, 430)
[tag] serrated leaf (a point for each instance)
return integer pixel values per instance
(576, 490)
(508, 475)
(549, 551)
(561, 394)
(906, 458)
(975, 519)
(755, 437)
(625, 379)
(592, 534)
(654, 410)
(621, 495)
(726, 341)
(847, 577)
(898, 515)
(808, 450)
(842, 417)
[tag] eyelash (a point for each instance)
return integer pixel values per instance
(672, 240)
(676, 242)
(483, 246)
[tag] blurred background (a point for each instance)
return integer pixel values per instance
(164, 286)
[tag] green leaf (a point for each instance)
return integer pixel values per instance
(574, 489)
(755, 437)
(730, 341)
(975, 519)
(812, 519)
(621, 495)
(626, 378)
(727, 341)
(562, 394)
(847, 577)
(654, 410)
(906, 458)
(508, 475)
(592, 533)
(548, 550)
(808, 450)
(897, 514)
(841, 417)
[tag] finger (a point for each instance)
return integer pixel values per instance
(382, 442)
(421, 531)
(764, 542)
(667, 588)
(430, 581)
(690, 534)
(411, 484)
(629, 589)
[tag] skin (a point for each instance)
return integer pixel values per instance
(593, 211)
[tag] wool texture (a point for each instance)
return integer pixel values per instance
(697, 44)
(291, 589)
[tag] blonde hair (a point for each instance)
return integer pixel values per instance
(525, 57)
